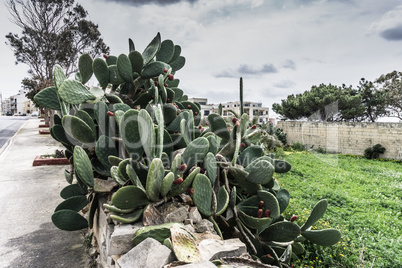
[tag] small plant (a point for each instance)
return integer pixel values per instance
(299, 147)
(321, 150)
(374, 152)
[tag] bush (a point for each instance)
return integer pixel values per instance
(374, 152)
(298, 146)
(321, 150)
(282, 136)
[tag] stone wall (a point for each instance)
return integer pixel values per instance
(346, 137)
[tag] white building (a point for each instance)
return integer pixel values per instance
(253, 109)
(17, 104)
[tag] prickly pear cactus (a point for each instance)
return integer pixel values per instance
(138, 132)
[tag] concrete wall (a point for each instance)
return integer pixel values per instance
(348, 137)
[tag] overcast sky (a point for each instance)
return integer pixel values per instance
(278, 47)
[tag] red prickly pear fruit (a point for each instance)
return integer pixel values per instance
(234, 120)
(174, 104)
(109, 113)
(199, 127)
(268, 256)
(178, 111)
(259, 213)
(248, 127)
(171, 77)
(267, 213)
(165, 70)
(189, 106)
(166, 85)
(105, 56)
(229, 128)
(261, 204)
(254, 127)
(237, 124)
(293, 218)
(207, 123)
(156, 83)
(168, 100)
(178, 181)
(191, 190)
(195, 113)
(202, 129)
(242, 145)
(182, 167)
(202, 171)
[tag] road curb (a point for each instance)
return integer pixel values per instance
(10, 141)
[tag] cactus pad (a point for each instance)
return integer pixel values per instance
(69, 220)
(154, 179)
(283, 231)
(317, 212)
(202, 196)
(73, 92)
(48, 98)
(85, 67)
(83, 166)
(75, 203)
(129, 197)
(184, 245)
(326, 237)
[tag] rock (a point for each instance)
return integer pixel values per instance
(179, 214)
(149, 253)
(203, 226)
(104, 186)
(189, 228)
(194, 215)
(204, 264)
(212, 249)
(121, 240)
(205, 235)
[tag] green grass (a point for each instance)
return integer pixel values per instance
(364, 203)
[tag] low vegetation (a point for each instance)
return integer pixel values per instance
(364, 204)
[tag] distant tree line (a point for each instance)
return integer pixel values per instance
(367, 103)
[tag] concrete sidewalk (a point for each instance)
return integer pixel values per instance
(28, 197)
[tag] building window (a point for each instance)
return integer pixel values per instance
(206, 112)
(261, 113)
(261, 121)
(247, 104)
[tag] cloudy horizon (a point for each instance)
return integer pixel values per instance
(278, 48)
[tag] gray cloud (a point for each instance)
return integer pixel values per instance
(289, 64)
(285, 84)
(147, 2)
(392, 34)
(247, 70)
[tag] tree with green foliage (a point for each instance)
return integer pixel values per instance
(324, 103)
(53, 32)
(391, 84)
(373, 100)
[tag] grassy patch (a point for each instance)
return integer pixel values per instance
(364, 203)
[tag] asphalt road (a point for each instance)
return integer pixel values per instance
(9, 125)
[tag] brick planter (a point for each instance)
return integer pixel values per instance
(44, 131)
(44, 125)
(49, 161)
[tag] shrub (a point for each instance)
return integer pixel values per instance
(298, 146)
(374, 152)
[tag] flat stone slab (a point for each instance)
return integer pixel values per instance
(212, 249)
(121, 241)
(149, 253)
